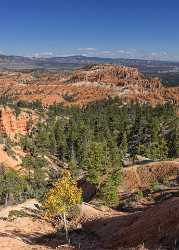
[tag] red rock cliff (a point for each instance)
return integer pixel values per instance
(12, 125)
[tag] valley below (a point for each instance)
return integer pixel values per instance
(106, 135)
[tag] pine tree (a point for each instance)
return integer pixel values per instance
(12, 185)
(97, 162)
(52, 143)
(124, 145)
(177, 137)
(61, 143)
(28, 163)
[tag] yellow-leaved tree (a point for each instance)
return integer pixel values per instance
(61, 198)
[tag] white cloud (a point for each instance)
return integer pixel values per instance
(87, 49)
(113, 53)
(121, 51)
(96, 52)
(160, 55)
(42, 54)
(2, 53)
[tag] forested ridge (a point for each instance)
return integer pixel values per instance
(68, 132)
(94, 141)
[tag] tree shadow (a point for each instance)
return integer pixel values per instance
(79, 239)
(155, 227)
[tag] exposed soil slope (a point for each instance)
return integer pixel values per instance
(18, 234)
(156, 226)
(8, 160)
(142, 176)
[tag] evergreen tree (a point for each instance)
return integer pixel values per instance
(61, 143)
(12, 186)
(124, 145)
(97, 162)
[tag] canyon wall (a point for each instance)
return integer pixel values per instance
(11, 125)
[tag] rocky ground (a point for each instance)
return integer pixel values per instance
(148, 229)
(19, 233)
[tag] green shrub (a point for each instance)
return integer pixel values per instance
(13, 214)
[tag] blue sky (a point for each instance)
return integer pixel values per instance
(114, 28)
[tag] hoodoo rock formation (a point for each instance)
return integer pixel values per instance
(11, 125)
(93, 83)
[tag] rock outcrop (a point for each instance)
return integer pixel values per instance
(11, 125)
(109, 74)
(86, 85)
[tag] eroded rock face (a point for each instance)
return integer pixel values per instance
(87, 85)
(143, 176)
(110, 74)
(11, 125)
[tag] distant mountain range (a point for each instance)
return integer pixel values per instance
(71, 62)
(168, 71)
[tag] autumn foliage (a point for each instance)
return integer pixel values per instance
(62, 197)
